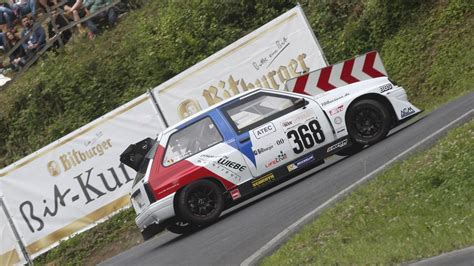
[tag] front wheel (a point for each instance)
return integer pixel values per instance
(201, 202)
(368, 121)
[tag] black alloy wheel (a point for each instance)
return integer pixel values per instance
(201, 202)
(368, 121)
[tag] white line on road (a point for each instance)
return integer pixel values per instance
(278, 239)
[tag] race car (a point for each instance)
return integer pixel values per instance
(233, 150)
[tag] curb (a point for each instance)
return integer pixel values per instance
(463, 256)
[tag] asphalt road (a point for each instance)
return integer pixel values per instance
(247, 227)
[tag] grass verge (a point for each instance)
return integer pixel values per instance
(107, 239)
(418, 208)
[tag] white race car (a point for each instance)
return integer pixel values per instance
(250, 142)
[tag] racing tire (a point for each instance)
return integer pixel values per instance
(368, 121)
(151, 231)
(182, 228)
(200, 203)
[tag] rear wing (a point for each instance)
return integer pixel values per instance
(328, 78)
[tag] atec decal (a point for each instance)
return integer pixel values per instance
(264, 130)
(336, 110)
(280, 157)
(337, 145)
(407, 111)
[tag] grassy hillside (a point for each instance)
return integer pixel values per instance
(418, 208)
(426, 46)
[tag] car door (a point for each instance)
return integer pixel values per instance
(273, 129)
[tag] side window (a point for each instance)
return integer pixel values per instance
(257, 111)
(191, 140)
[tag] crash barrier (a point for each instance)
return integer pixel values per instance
(360, 68)
(56, 38)
(77, 181)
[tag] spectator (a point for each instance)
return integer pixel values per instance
(22, 7)
(73, 9)
(60, 22)
(17, 57)
(37, 39)
(93, 6)
(46, 4)
(6, 17)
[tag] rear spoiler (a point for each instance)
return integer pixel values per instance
(135, 154)
(356, 69)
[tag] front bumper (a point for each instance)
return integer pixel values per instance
(156, 212)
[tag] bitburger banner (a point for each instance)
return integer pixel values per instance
(78, 180)
(10, 251)
(280, 50)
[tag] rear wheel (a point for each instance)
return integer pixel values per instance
(368, 121)
(201, 202)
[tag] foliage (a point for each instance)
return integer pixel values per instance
(419, 208)
(151, 45)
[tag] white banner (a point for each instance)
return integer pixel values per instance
(280, 50)
(10, 252)
(71, 184)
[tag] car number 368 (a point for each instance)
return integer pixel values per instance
(306, 136)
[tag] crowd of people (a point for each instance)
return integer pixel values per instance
(23, 33)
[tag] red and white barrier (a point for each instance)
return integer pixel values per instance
(350, 71)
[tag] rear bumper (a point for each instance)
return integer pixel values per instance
(156, 212)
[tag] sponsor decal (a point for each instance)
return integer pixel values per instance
(338, 120)
(280, 157)
(262, 150)
(264, 130)
(297, 164)
(280, 141)
(288, 123)
(259, 182)
(224, 161)
(69, 160)
(407, 111)
(336, 110)
(341, 130)
(334, 100)
(385, 88)
(298, 119)
(235, 194)
(337, 145)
